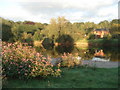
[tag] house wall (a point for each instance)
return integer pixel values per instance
(100, 33)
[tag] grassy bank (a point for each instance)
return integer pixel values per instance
(72, 78)
(97, 42)
(114, 41)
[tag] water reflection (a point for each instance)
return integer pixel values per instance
(100, 56)
(99, 53)
(64, 49)
(110, 53)
(48, 44)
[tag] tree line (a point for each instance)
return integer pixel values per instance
(58, 30)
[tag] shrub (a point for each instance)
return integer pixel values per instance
(38, 36)
(23, 62)
(69, 60)
(91, 36)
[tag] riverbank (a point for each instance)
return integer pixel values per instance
(97, 42)
(84, 43)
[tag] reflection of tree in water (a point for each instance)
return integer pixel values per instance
(65, 44)
(66, 49)
(112, 52)
(48, 44)
(88, 54)
(109, 52)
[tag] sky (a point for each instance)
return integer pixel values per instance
(73, 10)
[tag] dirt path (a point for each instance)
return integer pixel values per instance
(101, 64)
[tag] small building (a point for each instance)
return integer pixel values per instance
(100, 32)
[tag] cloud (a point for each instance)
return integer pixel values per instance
(73, 10)
(119, 10)
(53, 6)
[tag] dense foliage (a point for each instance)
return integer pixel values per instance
(29, 31)
(22, 61)
(70, 60)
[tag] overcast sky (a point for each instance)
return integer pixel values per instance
(73, 10)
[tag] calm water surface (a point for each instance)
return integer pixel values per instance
(111, 53)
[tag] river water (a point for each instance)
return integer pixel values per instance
(91, 53)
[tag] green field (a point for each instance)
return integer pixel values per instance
(114, 41)
(84, 43)
(79, 77)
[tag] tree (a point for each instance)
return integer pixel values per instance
(104, 24)
(6, 32)
(38, 36)
(56, 27)
(114, 27)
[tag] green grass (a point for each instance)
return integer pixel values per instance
(99, 41)
(84, 43)
(103, 40)
(72, 78)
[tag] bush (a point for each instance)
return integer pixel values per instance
(69, 60)
(38, 36)
(92, 36)
(116, 36)
(23, 62)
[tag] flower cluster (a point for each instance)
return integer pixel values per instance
(70, 60)
(22, 61)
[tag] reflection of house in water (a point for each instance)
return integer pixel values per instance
(100, 32)
(99, 56)
(99, 53)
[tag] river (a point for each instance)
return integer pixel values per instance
(87, 53)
